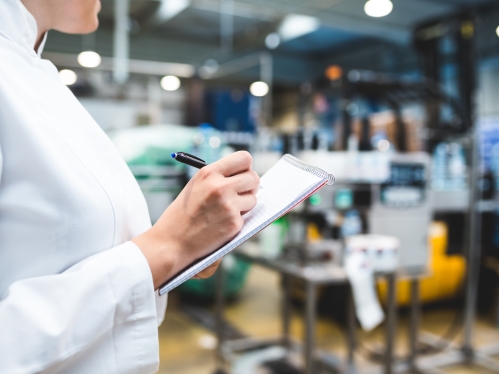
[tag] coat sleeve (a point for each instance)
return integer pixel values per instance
(101, 309)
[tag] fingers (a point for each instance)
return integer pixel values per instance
(257, 187)
(209, 271)
(235, 163)
(246, 182)
(246, 202)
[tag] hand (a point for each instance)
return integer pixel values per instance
(206, 215)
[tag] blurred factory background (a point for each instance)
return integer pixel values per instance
(399, 99)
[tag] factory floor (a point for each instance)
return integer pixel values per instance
(188, 348)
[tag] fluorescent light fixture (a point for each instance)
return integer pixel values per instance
(170, 8)
(161, 68)
(296, 25)
(497, 31)
(68, 77)
(134, 66)
(259, 89)
(272, 40)
(89, 59)
(170, 83)
(378, 8)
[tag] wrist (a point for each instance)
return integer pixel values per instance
(161, 255)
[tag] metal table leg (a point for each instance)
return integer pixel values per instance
(219, 315)
(351, 338)
(286, 311)
(310, 307)
(473, 253)
(391, 321)
(414, 323)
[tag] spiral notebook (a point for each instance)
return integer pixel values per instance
(284, 186)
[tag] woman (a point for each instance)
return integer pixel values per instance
(79, 260)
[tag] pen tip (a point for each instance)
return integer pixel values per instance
(174, 155)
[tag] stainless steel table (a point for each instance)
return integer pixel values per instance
(313, 276)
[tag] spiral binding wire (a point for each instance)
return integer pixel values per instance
(311, 169)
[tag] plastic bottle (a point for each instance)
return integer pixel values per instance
(457, 167)
(439, 168)
(352, 224)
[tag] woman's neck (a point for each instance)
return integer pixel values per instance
(38, 9)
(39, 40)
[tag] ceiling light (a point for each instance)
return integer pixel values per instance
(208, 342)
(68, 77)
(497, 31)
(89, 59)
(272, 40)
(170, 83)
(296, 25)
(259, 89)
(378, 8)
(214, 142)
(383, 145)
(334, 72)
(170, 8)
(198, 138)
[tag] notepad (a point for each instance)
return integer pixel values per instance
(284, 186)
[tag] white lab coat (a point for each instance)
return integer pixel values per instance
(76, 296)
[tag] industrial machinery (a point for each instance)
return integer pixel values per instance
(395, 199)
(402, 207)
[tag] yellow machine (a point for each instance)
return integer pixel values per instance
(445, 272)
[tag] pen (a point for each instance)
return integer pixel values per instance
(188, 159)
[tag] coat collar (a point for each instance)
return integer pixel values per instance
(18, 25)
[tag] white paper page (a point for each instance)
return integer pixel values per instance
(361, 277)
(282, 187)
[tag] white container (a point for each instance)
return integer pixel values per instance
(271, 241)
(380, 251)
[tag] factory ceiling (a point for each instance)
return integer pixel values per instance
(192, 31)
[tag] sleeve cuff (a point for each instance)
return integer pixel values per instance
(136, 314)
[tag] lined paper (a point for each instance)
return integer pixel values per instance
(282, 187)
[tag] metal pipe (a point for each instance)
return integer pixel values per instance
(308, 349)
(346, 124)
(227, 25)
(414, 323)
(154, 100)
(351, 338)
(286, 311)
(391, 322)
(266, 75)
(121, 41)
(219, 314)
(474, 247)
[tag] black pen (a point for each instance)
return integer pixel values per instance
(188, 159)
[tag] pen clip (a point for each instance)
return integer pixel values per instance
(192, 156)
